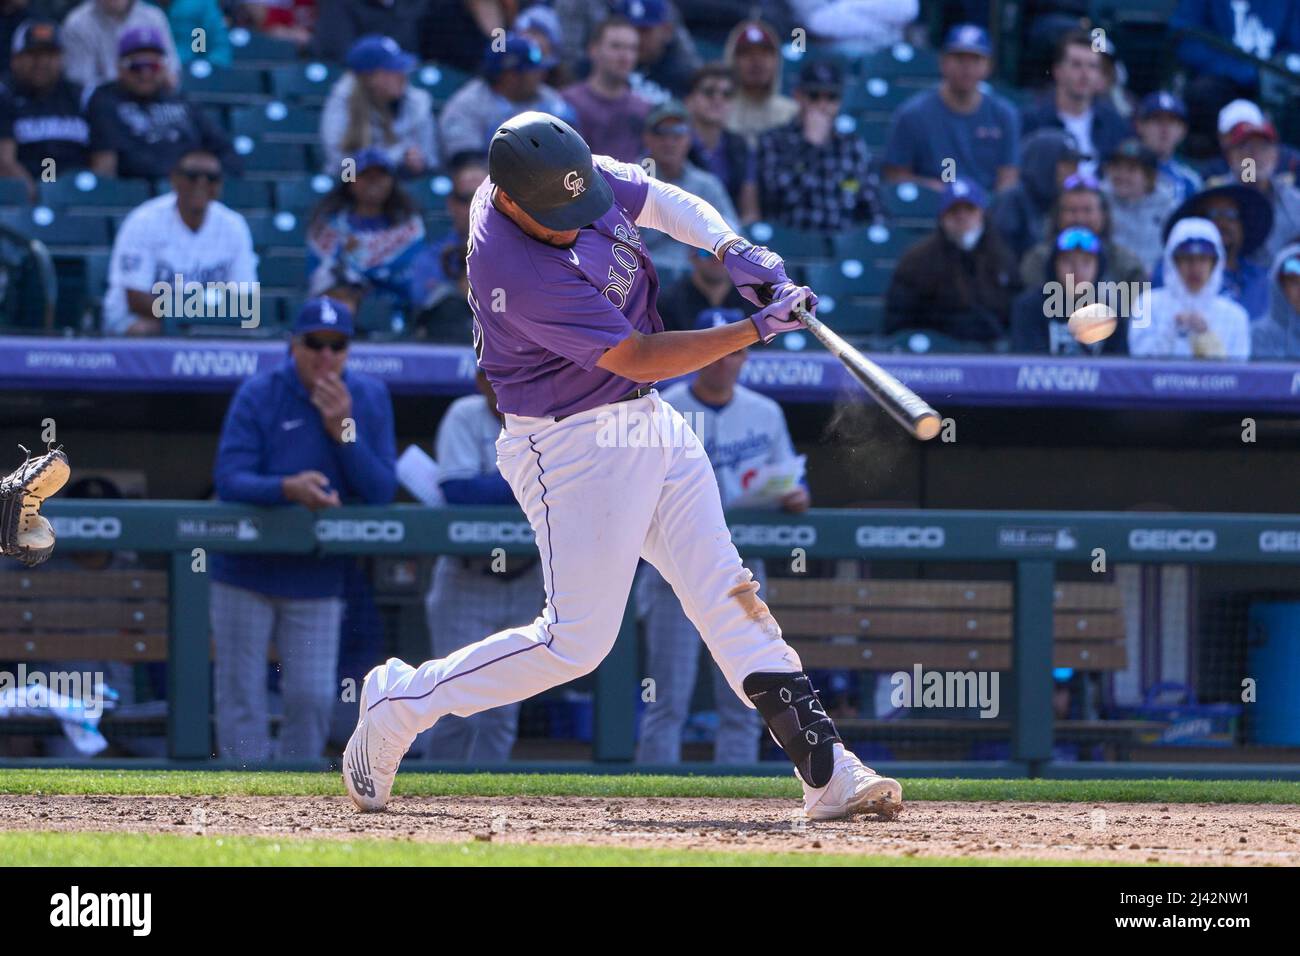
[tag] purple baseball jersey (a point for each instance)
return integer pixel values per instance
(544, 315)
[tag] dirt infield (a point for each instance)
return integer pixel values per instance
(1128, 832)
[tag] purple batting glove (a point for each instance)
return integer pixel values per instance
(752, 268)
(786, 312)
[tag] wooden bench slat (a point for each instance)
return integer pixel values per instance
(64, 647)
(957, 625)
(86, 584)
(949, 655)
(79, 615)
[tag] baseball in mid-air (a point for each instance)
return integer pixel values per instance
(1092, 323)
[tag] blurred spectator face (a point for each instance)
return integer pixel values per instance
(668, 142)
(710, 101)
(1081, 207)
(1290, 283)
(520, 85)
(614, 55)
(1161, 133)
(142, 73)
(1194, 269)
(756, 68)
(114, 8)
(961, 220)
(819, 100)
(654, 40)
(708, 268)
(196, 180)
(463, 185)
(317, 354)
(722, 375)
(1079, 73)
(371, 189)
(963, 72)
(1077, 263)
(1226, 216)
(384, 86)
(1128, 180)
(37, 69)
(1259, 150)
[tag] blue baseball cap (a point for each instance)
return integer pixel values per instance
(323, 314)
(1196, 246)
(968, 38)
(712, 318)
(1162, 102)
(375, 52)
(643, 13)
(962, 190)
(520, 53)
(372, 157)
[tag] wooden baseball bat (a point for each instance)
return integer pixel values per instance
(903, 405)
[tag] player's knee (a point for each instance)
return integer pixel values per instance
(581, 653)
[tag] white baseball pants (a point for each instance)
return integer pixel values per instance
(596, 507)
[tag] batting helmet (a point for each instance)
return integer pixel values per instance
(546, 168)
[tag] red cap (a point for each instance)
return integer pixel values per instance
(1244, 131)
(754, 35)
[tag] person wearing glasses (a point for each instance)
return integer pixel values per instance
(812, 176)
(91, 35)
(186, 232)
(1244, 219)
(716, 149)
(138, 126)
(1277, 335)
(959, 123)
(311, 433)
(1082, 202)
(608, 113)
(365, 234)
(1040, 315)
(1189, 317)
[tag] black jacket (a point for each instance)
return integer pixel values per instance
(965, 295)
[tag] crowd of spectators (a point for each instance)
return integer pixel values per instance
(705, 103)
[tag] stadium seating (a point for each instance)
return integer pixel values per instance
(85, 189)
(205, 83)
(13, 193)
(309, 83)
(252, 48)
(277, 122)
(59, 229)
(439, 81)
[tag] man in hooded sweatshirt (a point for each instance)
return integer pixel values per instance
(1188, 317)
(1047, 159)
(1277, 335)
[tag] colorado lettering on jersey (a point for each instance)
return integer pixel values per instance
(41, 129)
(627, 259)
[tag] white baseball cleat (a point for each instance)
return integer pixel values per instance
(373, 753)
(854, 788)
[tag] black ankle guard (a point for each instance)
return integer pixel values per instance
(797, 721)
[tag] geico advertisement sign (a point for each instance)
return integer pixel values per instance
(784, 535)
(1172, 539)
(899, 536)
(490, 532)
(1272, 542)
(85, 526)
(360, 529)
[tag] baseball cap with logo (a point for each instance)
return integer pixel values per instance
(546, 168)
(962, 190)
(968, 38)
(36, 34)
(1162, 102)
(323, 314)
(134, 39)
(821, 75)
(517, 53)
(643, 13)
(372, 157)
(754, 34)
(713, 317)
(375, 52)
(1133, 151)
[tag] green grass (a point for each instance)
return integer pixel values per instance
(134, 849)
(224, 783)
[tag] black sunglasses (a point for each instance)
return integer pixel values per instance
(194, 175)
(315, 344)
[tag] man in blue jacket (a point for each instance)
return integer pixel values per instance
(312, 434)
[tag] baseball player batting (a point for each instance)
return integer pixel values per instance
(566, 328)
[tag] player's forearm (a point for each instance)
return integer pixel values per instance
(685, 217)
(649, 358)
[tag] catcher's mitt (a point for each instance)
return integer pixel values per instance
(25, 534)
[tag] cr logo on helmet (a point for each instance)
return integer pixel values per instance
(573, 183)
